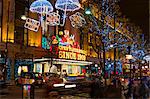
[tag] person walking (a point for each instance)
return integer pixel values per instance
(144, 90)
(136, 88)
(129, 90)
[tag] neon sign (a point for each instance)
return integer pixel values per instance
(72, 53)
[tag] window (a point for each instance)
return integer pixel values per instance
(89, 50)
(0, 19)
(21, 35)
(90, 38)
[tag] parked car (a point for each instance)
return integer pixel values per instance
(39, 79)
(51, 80)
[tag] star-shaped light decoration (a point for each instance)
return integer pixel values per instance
(77, 20)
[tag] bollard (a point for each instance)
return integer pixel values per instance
(27, 91)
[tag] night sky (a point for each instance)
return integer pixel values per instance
(138, 13)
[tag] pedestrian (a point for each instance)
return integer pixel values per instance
(136, 88)
(129, 92)
(144, 90)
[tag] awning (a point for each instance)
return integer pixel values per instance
(63, 61)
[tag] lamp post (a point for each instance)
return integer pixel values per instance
(129, 57)
(88, 11)
(23, 17)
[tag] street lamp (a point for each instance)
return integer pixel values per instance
(23, 17)
(129, 57)
(88, 11)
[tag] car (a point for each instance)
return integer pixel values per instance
(39, 79)
(51, 80)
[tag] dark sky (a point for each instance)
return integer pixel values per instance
(138, 12)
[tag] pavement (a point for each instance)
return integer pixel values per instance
(15, 92)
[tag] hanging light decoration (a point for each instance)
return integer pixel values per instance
(77, 20)
(41, 6)
(67, 5)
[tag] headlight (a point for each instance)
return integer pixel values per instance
(70, 86)
(122, 79)
(59, 85)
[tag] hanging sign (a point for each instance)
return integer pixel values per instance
(53, 19)
(32, 24)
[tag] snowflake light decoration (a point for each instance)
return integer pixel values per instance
(53, 19)
(77, 20)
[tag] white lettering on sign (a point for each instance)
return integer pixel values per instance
(53, 19)
(32, 24)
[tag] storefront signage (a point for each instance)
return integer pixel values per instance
(72, 53)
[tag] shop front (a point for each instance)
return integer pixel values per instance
(73, 68)
(71, 61)
(23, 65)
(66, 56)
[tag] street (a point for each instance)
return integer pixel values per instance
(15, 92)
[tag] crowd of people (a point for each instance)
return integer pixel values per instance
(119, 87)
(138, 88)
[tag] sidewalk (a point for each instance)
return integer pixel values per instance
(11, 92)
(15, 92)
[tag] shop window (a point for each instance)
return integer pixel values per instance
(38, 68)
(22, 69)
(69, 69)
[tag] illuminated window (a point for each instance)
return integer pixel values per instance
(97, 40)
(90, 38)
(89, 50)
(22, 68)
(0, 19)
